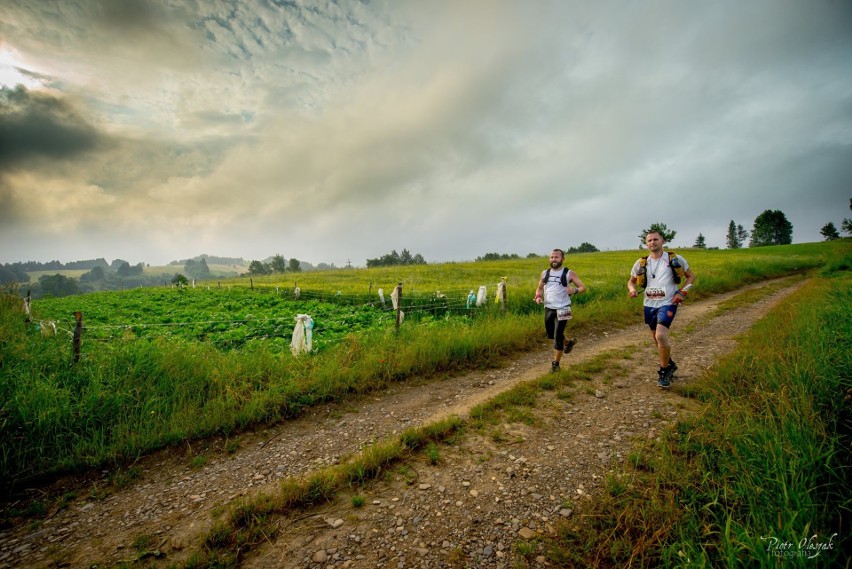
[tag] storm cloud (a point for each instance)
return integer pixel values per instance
(34, 126)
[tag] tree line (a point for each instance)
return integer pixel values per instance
(393, 259)
(277, 264)
(770, 228)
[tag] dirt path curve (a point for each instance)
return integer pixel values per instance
(432, 523)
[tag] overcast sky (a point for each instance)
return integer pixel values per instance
(338, 131)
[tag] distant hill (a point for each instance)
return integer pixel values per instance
(214, 260)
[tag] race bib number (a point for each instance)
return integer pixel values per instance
(655, 293)
(563, 314)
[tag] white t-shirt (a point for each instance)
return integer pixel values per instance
(555, 295)
(660, 285)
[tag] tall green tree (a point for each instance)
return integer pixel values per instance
(731, 239)
(96, 274)
(278, 263)
(846, 226)
(660, 228)
(259, 268)
(295, 266)
(829, 232)
(584, 247)
(742, 235)
(393, 258)
(125, 269)
(700, 242)
(203, 269)
(58, 285)
(7, 276)
(197, 269)
(771, 228)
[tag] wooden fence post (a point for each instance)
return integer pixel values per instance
(503, 293)
(78, 335)
(398, 305)
(251, 282)
(27, 302)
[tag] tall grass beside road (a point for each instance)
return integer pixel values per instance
(132, 397)
(129, 396)
(761, 476)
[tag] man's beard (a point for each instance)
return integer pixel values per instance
(555, 264)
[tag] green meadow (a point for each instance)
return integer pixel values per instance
(153, 374)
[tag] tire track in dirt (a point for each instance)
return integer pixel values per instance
(172, 502)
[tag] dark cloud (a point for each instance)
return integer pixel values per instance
(128, 14)
(39, 125)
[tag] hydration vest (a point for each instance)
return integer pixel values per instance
(677, 270)
(563, 278)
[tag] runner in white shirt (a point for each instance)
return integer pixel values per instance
(555, 287)
(662, 297)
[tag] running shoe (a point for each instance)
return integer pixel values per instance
(664, 379)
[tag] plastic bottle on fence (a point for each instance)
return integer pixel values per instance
(302, 340)
(482, 296)
(471, 299)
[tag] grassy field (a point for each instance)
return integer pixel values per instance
(131, 395)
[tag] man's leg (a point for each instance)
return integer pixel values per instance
(661, 338)
(559, 340)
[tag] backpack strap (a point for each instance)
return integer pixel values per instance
(677, 270)
(563, 278)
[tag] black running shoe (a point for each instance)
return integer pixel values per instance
(554, 367)
(664, 379)
(569, 345)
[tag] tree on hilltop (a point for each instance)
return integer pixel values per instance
(668, 235)
(393, 258)
(278, 263)
(771, 228)
(829, 232)
(732, 240)
(584, 247)
(259, 268)
(742, 235)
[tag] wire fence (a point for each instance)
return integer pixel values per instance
(349, 313)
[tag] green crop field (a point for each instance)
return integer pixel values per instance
(164, 365)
